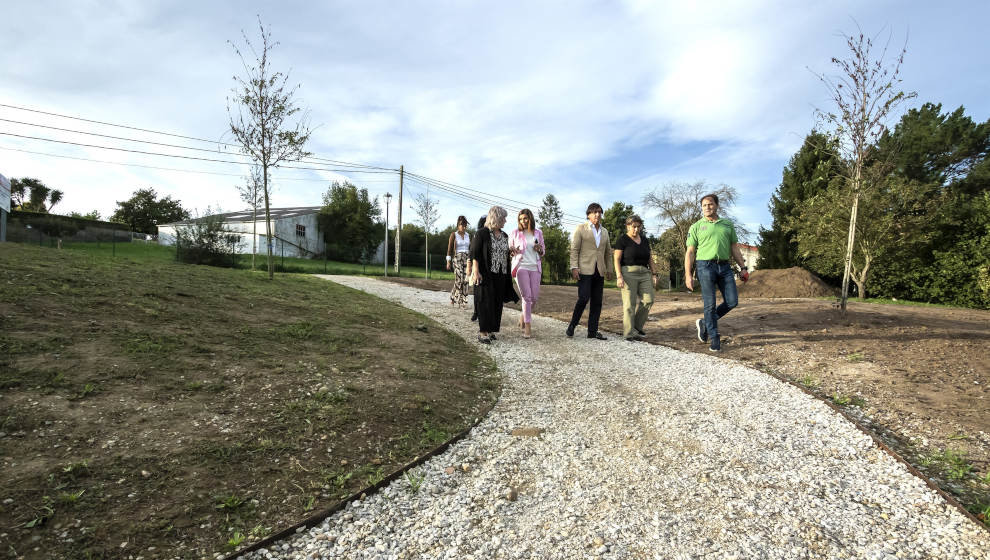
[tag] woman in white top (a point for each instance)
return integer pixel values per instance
(457, 256)
(527, 248)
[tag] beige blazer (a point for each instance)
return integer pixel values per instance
(584, 254)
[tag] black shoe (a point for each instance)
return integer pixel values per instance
(634, 338)
(716, 345)
(484, 339)
(474, 316)
(702, 330)
(640, 331)
(597, 335)
(492, 336)
(570, 331)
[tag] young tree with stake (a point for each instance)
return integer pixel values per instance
(426, 210)
(264, 104)
(865, 95)
(251, 194)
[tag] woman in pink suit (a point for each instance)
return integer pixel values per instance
(527, 248)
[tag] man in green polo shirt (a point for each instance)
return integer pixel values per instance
(711, 242)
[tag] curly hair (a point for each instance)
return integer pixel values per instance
(496, 217)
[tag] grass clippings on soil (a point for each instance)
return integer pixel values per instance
(163, 410)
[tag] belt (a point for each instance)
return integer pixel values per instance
(716, 261)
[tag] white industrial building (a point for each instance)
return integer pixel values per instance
(295, 231)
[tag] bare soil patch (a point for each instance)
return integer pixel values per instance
(917, 376)
(174, 411)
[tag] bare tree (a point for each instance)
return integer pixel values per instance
(426, 210)
(865, 94)
(264, 103)
(251, 194)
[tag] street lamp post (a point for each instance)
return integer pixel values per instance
(388, 199)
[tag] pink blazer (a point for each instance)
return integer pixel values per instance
(517, 240)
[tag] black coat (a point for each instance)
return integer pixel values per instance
(481, 251)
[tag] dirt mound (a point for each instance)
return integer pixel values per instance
(794, 282)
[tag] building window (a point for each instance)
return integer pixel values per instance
(300, 230)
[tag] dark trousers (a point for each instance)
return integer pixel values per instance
(590, 287)
(490, 296)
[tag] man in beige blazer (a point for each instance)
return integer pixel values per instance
(591, 263)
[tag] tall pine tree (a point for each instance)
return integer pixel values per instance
(808, 173)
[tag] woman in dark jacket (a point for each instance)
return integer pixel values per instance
(490, 273)
(481, 224)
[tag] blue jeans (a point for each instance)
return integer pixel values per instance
(713, 275)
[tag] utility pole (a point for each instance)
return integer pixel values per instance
(426, 273)
(398, 226)
(388, 198)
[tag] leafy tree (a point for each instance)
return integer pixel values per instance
(894, 213)
(413, 238)
(614, 219)
(31, 195)
(557, 258)
(144, 211)
(93, 215)
(206, 241)
(349, 221)
(809, 172)
(962, 272)
(252, 195)
(265, 103)
(945, 156)
(865, 95)
(550, 214)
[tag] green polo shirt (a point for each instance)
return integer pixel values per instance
(714, 240)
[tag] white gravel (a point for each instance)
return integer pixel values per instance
(647, 452)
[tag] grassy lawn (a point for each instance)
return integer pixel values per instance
(152, 252)
(156, 409)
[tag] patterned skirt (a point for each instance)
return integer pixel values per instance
(458, 294)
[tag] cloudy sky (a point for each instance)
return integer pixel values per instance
(507, 101)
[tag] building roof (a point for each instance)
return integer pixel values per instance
(245, 215)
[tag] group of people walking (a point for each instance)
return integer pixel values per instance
(496, 262)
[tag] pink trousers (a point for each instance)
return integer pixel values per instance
(529, 289)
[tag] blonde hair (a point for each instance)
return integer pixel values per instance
(496, 215)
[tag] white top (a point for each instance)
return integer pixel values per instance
(530, 258)
(462, 244)
(598, 233)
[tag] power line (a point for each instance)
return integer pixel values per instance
(451, 188)
(475, 196)
(159, 168)
(237, 146)
(192, 157)
(447, 186)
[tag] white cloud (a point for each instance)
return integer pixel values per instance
(514, 99)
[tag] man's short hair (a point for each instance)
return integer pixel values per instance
(594, 207)
(712, 196)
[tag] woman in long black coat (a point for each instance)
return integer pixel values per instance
(490, 273)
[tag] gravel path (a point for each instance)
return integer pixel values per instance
(645, 452)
